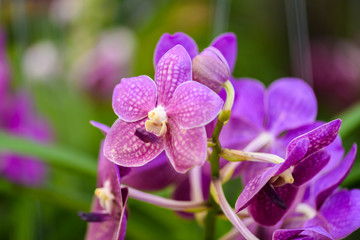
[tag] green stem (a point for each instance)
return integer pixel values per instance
(214, 157)
(54, 155)
(210, 220)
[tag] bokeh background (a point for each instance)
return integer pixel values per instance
(66, 56)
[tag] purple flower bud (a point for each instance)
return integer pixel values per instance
(211, 69)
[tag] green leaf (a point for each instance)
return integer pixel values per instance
(56, 156)
(350, 120)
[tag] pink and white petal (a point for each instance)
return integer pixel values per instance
(134, 97)
(185, 148)
(249, 104)
(122, 147)
(291, 103)
(168, 41)
(193, 105)
(342, 210)
(226, 43)
(173, 69)
(319, 138)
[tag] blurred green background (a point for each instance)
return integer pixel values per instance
(60, 36)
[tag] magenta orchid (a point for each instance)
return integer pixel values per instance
(273, 192)
(174, 109)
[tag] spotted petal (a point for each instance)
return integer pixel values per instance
(185, 148)
(307, 233)
(125, 149)
(227, 45)
(342, 210)
(134, 97)
(291, 103)
(173, 69)
(168, 41)
(320, 137)
(193, 105)
(309, 167)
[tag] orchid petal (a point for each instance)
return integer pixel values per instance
(291, 103)
(249, 102)
(168, 41)
(331, 180)
(102, 127)
(134, 97)
(226, 43)
(185, 148)
(253, 187)
(320, 137)
(295, 155)
(173, 69)
(125, 149)
(309, 167)
(266, 212)
(139, 176)
(193, 105)
(342, 210)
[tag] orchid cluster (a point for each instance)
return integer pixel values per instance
(196, 127)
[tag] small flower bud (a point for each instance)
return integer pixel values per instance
(211, 69)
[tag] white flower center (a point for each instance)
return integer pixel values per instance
(157, 121)
(283, 178)
(105, 196)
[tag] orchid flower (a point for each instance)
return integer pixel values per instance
(107, 219)
(169, 114)
(213, 66)
(271, 194)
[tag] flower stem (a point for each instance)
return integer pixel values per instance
(229, 212)
(188, 206)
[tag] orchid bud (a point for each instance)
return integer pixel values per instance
(211, 69)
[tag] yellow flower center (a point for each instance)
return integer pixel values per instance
(156, 124)
(105, 196)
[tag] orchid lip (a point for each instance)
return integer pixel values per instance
(274, 197)
(146, 136)
(94, 217)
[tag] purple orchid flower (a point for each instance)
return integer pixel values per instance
(260, 114)
(169, 114)
(107, 219)
(271, 194)
(138, 177)
(333, 211)
(213, 66)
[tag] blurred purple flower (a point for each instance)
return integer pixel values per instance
(272, 193)
(107, 219)
(271, 117)
(100, 68)
(17, 117)
(177, 110)
(213, 66)
(336, 69)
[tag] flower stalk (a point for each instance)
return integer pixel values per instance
(187, 206)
